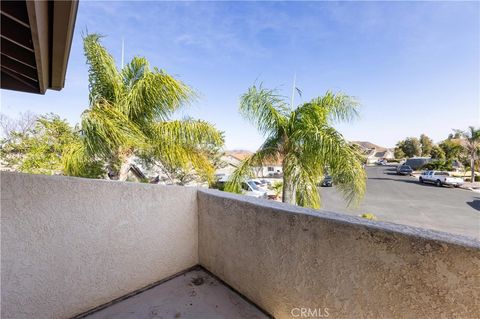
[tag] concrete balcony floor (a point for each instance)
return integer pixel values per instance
(194, 294)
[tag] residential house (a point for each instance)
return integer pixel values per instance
(230, 161)
(270, 168)
(374, 152)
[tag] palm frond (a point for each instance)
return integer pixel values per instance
(182, 144)
(306, 191)
(268, 151)
(264, 108)
(106, 129)
(337, 107)
(323, 147)
(187, 132)
(104, 80)
(133, 71)
(77, 161)
(202, 165)
(303, 171)
(152, 95)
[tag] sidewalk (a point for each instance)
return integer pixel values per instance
(471, 186)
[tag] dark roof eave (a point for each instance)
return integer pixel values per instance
(36, 38)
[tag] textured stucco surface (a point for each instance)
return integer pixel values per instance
(283, 257)
(71, 244)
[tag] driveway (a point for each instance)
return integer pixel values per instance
(403, 200)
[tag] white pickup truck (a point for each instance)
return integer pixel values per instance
(440, 178)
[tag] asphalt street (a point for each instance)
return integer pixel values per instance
(403, 200)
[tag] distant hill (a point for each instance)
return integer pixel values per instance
(239, 154)
(369, 145)
(365, 145)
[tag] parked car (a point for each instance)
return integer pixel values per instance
(219, 176)
(440, 178)
(250, 188)
(263, 186)
(404, 170)
(327, 181)
(266, 182)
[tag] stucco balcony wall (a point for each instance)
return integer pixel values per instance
(69, 245)
(286, 258)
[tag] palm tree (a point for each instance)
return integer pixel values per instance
(306, 143)
(130, 117)
(472, 146)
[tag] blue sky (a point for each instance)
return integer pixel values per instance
(414, 66)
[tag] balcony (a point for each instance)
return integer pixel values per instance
(75, 247)
(195, 293)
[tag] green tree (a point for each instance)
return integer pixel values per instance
(452, 148)
(453, 136)
(130, 116)
(411, 147)
(426, 145)
(472, 146)
(306, 143)
(437, 153)
(39, 147)
(398, 151)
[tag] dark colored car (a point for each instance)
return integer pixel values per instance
(404, 170)
(327, 181)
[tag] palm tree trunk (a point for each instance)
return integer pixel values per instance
(472, 168)
(124, 169)
(288, 194)
(125, 157)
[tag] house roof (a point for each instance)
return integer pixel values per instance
(273, 161)
(239, 154)
(242, 155)
(36, 37)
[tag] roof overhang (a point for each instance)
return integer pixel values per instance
(36, 37)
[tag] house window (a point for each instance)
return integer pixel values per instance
(270, 169)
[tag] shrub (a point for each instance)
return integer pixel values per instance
(218, 185)
(278, 188)
(438, 165)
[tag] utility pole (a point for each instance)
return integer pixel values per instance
(293, 90)
(123, 50)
